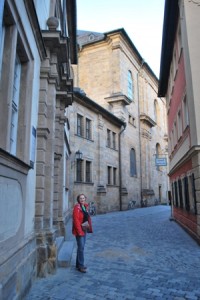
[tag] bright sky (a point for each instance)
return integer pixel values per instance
(141, 19)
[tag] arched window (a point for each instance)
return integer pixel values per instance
(156, 110)
(158, 152)
(133, 169)
(130, 85)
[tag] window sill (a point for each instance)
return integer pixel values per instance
(83, 182)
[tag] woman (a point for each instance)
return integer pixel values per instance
(80, 216)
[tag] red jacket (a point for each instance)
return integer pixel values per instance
(78, 220)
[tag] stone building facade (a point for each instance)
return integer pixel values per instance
(95, 134)
(112, 73)
(179, 83)
(35, 89)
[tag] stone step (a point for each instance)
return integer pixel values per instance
(65, 254)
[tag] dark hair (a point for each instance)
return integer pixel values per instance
(78, 197)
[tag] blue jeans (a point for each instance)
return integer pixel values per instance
(80, 251)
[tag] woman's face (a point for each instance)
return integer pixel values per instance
(82, 199)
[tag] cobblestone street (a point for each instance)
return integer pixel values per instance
(136, 254)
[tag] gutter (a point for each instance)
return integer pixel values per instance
(139, 129)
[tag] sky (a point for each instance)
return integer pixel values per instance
(141, 19)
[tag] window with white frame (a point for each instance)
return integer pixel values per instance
(16, 69)
(179, 124)
(15, 104)
(186, 113)
(130, 85)
(175, 133)
(172, 139)
(170, 145)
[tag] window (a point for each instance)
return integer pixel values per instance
(131, 120)
(108, 138)
(156, 111)
(179, 125)
(179, 44)
(185, 110)
(79, 125)
(172, 140)
(79, 170)
(88, 171)
(130, 85)
(111, 139)
(114, 176)
(15, 105)
(16, 65)
(186, 192)
(194, 203)
(133, 170)
(84, 127)
(66, 173)
(175, 133)
(109, 175)
(180, 193)
(158, 153)
(114, 140)
(88, 134)
(176, 193)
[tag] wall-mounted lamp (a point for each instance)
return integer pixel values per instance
(78, 155)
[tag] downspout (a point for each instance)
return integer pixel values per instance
(120, 168)
(139, 129)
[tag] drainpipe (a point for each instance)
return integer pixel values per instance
(120, 168)
(139, 129)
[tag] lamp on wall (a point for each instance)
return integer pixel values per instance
(78, 155)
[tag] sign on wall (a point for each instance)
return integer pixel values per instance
(161, 161)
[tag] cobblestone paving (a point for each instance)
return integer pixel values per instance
(134, 255)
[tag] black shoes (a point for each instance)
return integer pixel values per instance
(81, 269)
